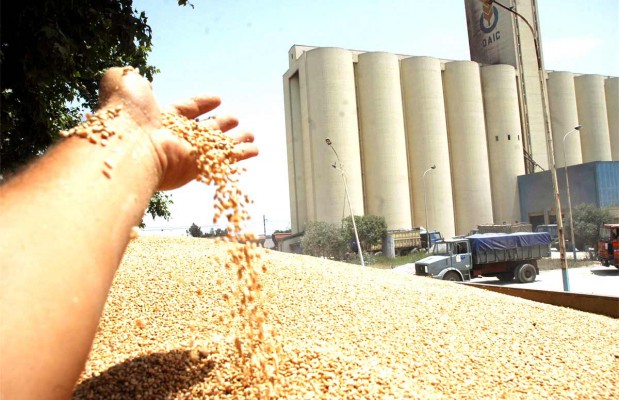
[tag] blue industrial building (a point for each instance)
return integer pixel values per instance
(595, 183)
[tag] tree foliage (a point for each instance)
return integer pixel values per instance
(322, 239)
(159, 206)
(54, 52)
(588, 219)
(218, 232)
(52, 55)
(195, 231)
(371, 229)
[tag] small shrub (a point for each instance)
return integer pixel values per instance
(195, 231)
(371, 229)
(322, 239)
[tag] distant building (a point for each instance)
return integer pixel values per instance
(594, 183)
(391, 117)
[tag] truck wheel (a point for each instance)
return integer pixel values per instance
(452, 276)
(506, 276)
(526, 273)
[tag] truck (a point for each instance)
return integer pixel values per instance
(435, 236)
(553, 230)
(608, 245)
(506, 256)
(404, 240)
(504, 228)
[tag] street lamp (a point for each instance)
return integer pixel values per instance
(352, 215)
(549, 144)
(425, 206)
(567, 185)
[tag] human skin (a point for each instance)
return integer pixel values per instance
(65, 227)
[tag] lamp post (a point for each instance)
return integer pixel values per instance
(425, 206)
(567, 185)
(352, 215)
(549, 145)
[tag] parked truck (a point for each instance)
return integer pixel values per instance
(506, 256)
(435, 236)
(504, 228)
(404, 240)
(608, 245)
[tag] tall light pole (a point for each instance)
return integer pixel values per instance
(425, 206)
(567, 185)
(549, 145)
(352, 215)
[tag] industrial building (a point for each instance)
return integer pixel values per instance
(481, 124)
(597, 184)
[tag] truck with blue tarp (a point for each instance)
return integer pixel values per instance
(506, 256)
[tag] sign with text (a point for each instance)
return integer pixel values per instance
(491, 32)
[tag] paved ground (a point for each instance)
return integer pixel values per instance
(595, 279)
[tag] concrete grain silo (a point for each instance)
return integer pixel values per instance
(504, 138)
(612, 105)
(294, 145)
(564, 117)
(467, 145)
(332, 109)
(427, 143)
(383, 141)
(591, 102)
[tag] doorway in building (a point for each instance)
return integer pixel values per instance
(535, 220)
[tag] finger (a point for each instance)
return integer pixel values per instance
(244, 137)
(243, 151)
(224, 123)
(195, 106)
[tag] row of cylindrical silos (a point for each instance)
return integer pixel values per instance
(390, 119)
(590, 101)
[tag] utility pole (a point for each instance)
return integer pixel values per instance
(352, 215)
(264, 223)
(549, 144)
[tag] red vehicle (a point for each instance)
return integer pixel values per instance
(608, 245)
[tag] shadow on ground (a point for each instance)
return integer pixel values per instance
(154, 376)
(606, 271)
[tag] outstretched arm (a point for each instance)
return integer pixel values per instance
(66, 222)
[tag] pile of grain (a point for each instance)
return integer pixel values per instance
(178, 325)
(344, 332)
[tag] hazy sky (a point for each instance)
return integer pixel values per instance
(238, 50)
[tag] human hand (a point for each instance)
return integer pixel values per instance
(173, 158)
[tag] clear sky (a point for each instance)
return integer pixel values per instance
(238, 50)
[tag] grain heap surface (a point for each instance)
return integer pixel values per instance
(344, 332)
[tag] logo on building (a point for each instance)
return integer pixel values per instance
(489, 17)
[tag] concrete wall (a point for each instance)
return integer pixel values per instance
(591, 102)
(594, 183)
(385, 124)
(467, 145)
(383, 141)
(427, 143)
(332, 108)
(294, 145)
(504, 139)
(611, 86)
(564, 117)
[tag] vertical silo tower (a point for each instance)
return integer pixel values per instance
(467, 145)
(383, 142)
(497, 36)
(332, 110)
(504, 138)
(612, 104)
(294, 145)
(591, 102)
(564, 117)
(427, 143)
